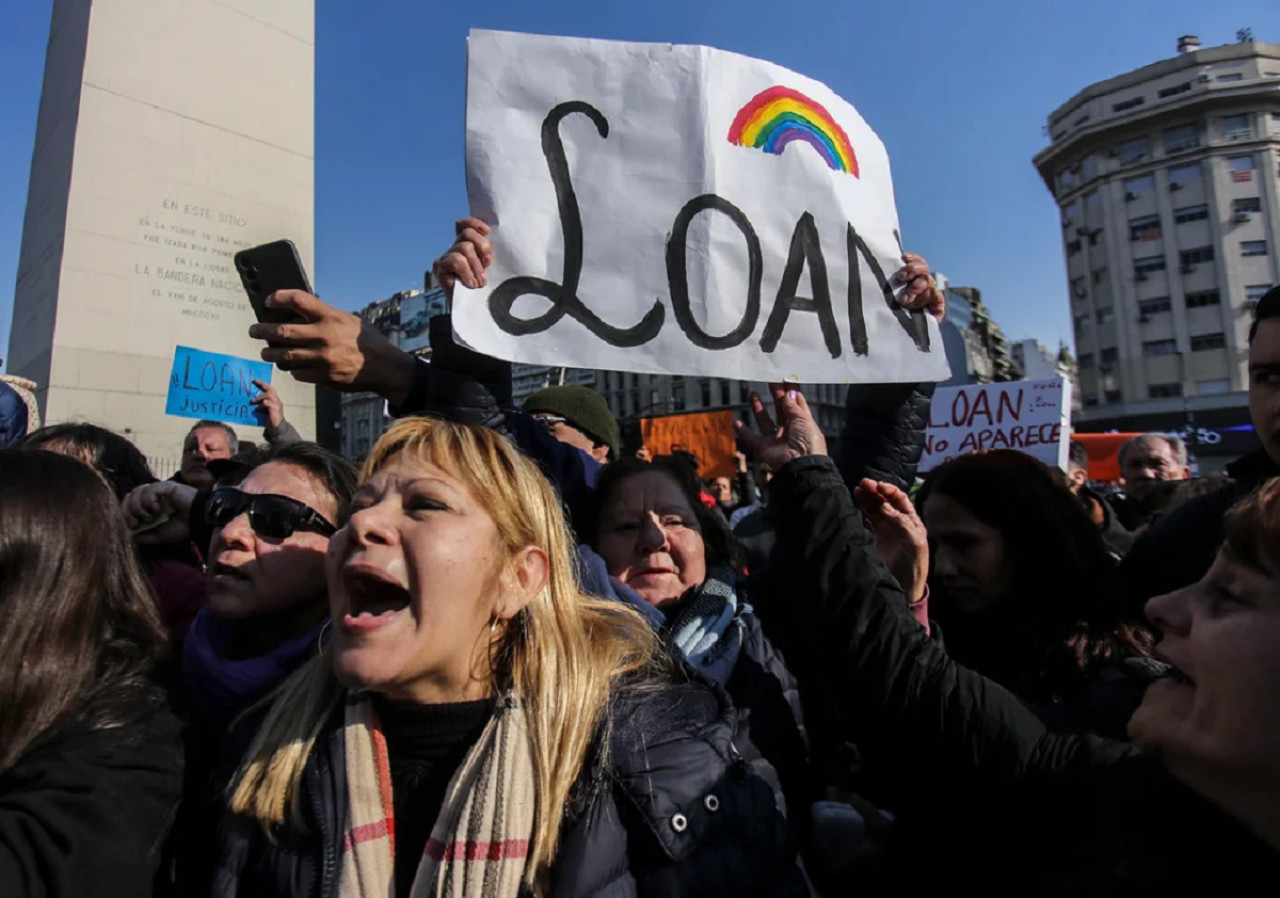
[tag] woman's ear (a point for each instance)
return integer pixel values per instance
(527, 575)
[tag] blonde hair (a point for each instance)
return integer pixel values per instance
(562, 655)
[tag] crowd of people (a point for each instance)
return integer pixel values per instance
(507, 657)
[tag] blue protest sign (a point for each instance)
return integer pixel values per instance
(214, 386)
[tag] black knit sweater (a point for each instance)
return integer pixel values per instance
(425, 745)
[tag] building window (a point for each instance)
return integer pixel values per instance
(1089, 167)
(1082, 321)
(1114, 396)
(1184, 174)
(1148, 264)
(1191, 213)
(1247, 204)
(1134, 187)
(1231, 76)
(1201, 299)
(1095, 236)
(1205, 342)
(1213, 387)
(1164, 391)
(677, 397)
(1078, 288)
(1174, 90)
(1069, 212)
(706, 394)
(1190, 257)
(1100, 275)
(1153, 348)
(1090, 400)
(1145, 228)
(1105, 315)
(1253, 248)
(1133, 151)
(1181, 137)
(1132, 103)
(1068, 179)
(1275, 123)
(1091, 200)
(1241, 168)
(1085, 360)
(1110, 355)
(1073, 247)
(724, 392)
(1235, 127)
(1155, 306)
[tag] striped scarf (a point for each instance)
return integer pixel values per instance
(480, 841)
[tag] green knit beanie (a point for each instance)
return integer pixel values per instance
(583, 408)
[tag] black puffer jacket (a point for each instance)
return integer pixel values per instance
(883, 436)
(676, 812)
(85, 810)
(1062, 815)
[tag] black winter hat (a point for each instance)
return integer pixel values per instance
(583, 408)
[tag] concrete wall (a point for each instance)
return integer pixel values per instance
(170, 136)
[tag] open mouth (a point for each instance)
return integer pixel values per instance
(1172, 672)
(371, 593)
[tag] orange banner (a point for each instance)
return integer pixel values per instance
(1104, 453)
(708, 435)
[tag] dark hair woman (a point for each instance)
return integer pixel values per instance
(173, 570)
(1027, 594)
(1191, 807)
(90, 760)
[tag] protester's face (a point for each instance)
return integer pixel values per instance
(649, 538)
(1264, 385)
(203, 445)
(416, 582)
(968, 562)
(252, 575)
(1219, 715)
(1149, 462)
(565, 432)
(722, 489)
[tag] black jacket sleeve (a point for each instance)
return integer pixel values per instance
(86, 813)
(963, 740)
(883, 435)
(459, 384)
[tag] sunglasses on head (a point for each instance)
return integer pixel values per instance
(550, 421)
(275, 517)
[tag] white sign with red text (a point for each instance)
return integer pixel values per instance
(1032, 416)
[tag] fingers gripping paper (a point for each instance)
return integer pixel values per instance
(679, 209)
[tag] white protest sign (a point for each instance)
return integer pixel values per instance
(1032, 416)
(681, 210)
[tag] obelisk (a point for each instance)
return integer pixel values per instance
(170, 135)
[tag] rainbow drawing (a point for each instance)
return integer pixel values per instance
(775, 117)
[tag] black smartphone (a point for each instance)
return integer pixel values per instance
(267, 268)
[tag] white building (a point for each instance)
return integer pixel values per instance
(1166, 182)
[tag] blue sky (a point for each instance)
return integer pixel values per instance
(958, 92)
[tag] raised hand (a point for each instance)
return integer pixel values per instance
(467, 259)
(270, 401)
(901, 539)
(922, 290)
(795, 434)
(157, 512)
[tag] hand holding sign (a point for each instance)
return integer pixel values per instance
(269, 401)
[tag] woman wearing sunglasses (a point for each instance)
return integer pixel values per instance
(478, 726)
(265, 542)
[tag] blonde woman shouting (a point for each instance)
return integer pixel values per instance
(478, 727)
